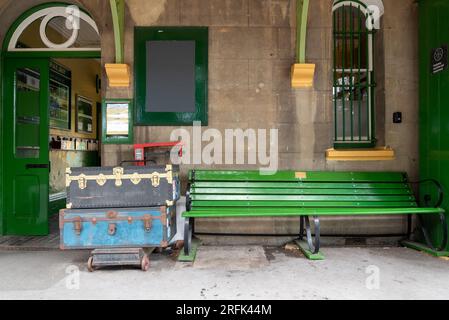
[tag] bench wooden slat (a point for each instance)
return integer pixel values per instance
(296, 191)
(298, 204)
(324, 198)
(268, 212)
(254, 175)
(299, 185)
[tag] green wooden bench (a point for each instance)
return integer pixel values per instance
(219, 194)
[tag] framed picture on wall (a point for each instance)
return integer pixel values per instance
(84, 115)
(60, 91)
(117, 121)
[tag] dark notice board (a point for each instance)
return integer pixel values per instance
(171, 75)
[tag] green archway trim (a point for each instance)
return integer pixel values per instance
(118, 20)
(29, 12)
(302, 12)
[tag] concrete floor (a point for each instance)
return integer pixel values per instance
(243, 272)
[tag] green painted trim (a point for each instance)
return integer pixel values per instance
(2, 194)
(118, 21)
(201, 37)
(423, 248)
(302, 245)
(302, 11)
(193, 250)
(355, 1)
(54, 54)
(352, 145)
(117, 139)
(29, 12)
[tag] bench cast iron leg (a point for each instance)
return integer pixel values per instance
(314, 244)
(443, 244)
(301, 228)
(188, 230)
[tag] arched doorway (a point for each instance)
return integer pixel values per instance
(40, 53)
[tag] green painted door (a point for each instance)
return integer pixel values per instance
(25, 146)
(434, 104)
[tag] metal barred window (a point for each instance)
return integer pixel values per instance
(353, 75)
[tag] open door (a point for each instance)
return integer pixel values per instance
(25, 140)
(434, 111)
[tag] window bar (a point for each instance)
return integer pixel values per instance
(368, 82)
(335, 93)
(343, 57)
(351, 92)
(372, 86)
(359, 83)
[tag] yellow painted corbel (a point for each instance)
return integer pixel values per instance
(302, 73)
(118, 73)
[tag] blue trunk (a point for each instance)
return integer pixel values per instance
(117, 227)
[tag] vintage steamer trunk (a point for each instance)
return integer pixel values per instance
(117, 228)
(109, 187)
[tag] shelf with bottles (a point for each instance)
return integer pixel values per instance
(72, 144)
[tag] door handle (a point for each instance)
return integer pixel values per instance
(37, 166)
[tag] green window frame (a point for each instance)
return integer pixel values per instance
(353, 75)
(117, 139)
(201, 37)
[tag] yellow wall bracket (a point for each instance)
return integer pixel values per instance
(302, 75)
(118, 74)
(302, 72)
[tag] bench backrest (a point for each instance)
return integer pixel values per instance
(215, 188)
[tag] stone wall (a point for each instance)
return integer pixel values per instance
(251, 49)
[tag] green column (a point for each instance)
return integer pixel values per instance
(118, 20)
(302, 11)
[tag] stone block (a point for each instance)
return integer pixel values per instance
(228, 74)
(217, 13)
(286, 47)
(272, 13)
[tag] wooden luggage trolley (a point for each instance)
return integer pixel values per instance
(307, 195)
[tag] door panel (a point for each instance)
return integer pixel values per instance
(26, 146)
(27, 195)
(434, 111)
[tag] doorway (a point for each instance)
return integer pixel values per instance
(51, 89)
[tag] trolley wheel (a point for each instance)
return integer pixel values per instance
(145, 263)
(90, 266)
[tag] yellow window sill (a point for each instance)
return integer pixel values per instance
(374, 154)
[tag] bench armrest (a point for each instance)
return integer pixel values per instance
(427, 197)
(188, 198)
